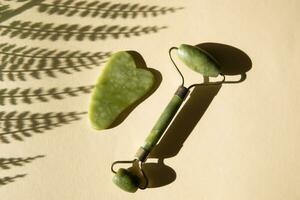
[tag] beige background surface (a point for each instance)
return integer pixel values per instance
(245, 146)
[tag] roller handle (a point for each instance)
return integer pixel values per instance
(162, 123)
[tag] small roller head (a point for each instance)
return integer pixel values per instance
(126, 180)
(198, 60)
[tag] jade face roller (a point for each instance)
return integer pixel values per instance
(199, 61)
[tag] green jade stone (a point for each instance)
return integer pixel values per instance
(162, 123)
(198, 60)
(126, 180)
(119, 86)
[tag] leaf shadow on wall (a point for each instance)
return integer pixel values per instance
(99, 9)
(10, 179)
(9, 13)
(233, 62)
(8, 163)
(17, 126)
(105, 10)
(17, 95)
(24, 62)
(67, 32)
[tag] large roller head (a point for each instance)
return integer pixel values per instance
(198, 60)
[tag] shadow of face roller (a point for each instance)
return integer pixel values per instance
(233, 62)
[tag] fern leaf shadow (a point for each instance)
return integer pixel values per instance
(100, 9)
(140, 63)
(53, 32)
(16, 96)
(4, 8)
(10, 179)
(233, 62)
(9, 13)
(8, 163)
(22, 62)
(18, 126)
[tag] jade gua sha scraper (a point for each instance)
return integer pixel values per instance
(197, 60)
(119, 86)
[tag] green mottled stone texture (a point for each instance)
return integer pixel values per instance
(126, 180)
(119, 86)
(197, 60)
(162, 123)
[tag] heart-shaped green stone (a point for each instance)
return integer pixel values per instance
(120, 85)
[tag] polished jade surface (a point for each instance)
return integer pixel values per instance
(162, 123)
(120, 84)
(198, 60)
(126, 180)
